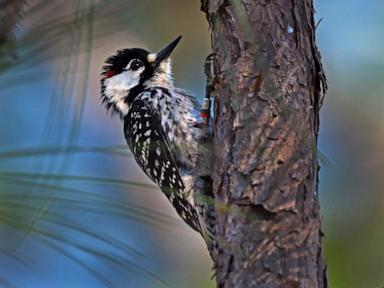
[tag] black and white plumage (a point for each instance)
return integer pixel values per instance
(162, 130)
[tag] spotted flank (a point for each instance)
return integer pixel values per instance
(163, 131)
(152, 151)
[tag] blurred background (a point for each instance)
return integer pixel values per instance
(75, 209)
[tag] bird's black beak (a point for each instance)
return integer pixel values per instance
(166, 51)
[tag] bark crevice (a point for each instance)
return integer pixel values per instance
(267, 98)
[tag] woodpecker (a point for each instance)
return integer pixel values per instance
(163, 130)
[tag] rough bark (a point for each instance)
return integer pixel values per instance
(267, 99)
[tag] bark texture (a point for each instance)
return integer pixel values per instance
(267, 98)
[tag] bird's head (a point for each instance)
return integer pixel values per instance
(130, 71)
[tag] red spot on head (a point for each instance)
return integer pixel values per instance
(110, 73)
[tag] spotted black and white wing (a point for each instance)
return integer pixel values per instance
(152, 151)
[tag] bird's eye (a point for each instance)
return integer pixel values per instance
(135, 65)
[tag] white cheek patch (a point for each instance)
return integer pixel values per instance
(123, 81)
(117, 87)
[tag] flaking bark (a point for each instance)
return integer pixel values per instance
(267, 99)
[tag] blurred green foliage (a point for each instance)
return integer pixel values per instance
(352, 137)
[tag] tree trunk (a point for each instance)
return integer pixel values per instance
(267, 98)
